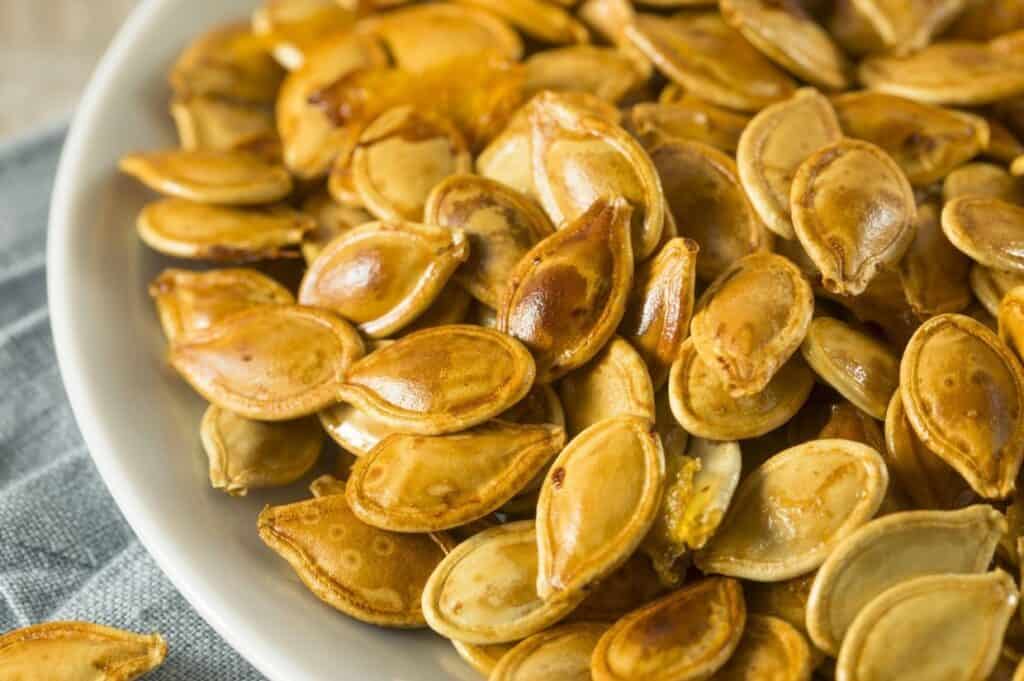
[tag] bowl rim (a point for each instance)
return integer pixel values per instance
(72, 357)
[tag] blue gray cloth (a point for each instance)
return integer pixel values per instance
(66, 552)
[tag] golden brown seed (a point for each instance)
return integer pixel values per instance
(382, 275)
(332, 220)
(688, 635)
(751, 320)
(929, 481)
(704, 196)
(484, 591)
(986, 229)
(366, 573)
(560, 653)
(988, 20)
(926, 141)
(982, 179)
(568, 294)
(483, 658)
(609, 18)
(579, 158)
(960, 73)
(780, 138)
(789, 514)
(588, 523)
(536, 18)
(1011, 320)
(933, 272)
(687, 118)
(401, 156)
(963, 392)
(853, 211)
(990, 285)
(450, 307)
(500, 225)
(246, 454)
(786, 600)
(356, 431)
(270, 362)
(296, 26)
(228, 62)
(657, 318)
(440, 380)
(707, 57)
(702, 404)
(192, 301)
(416, 483)
(910, 545)
(327, 485)
(604, 72)
(769, 649)
(78, 651)
(955, 622)
(861, 368)
(222, 177)
(216, 124)
(614, 383)
(196, 231)
(893, 26)
(790, 37)
(634, 584)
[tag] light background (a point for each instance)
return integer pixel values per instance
(48, 48)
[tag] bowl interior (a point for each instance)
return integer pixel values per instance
(141, 422)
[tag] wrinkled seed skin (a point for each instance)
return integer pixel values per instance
(686, 635)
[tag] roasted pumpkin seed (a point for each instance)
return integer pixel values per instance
(635, 583)
(440, 380)
(769, 649)
(356, 431)
(990, 285)
(987, 229)
(687, 118)
(853, 211)
(269, 362)
(602, 71)
(537, 18)
(701, 401)
(580, 541)
(751, 320)
(483, 658)
(332, 220)
(500, 226)
(791, 513)
(416, 483)
(892, 26)
(217, 124)
(614, 383)
(953, 622)
(689, 634)
(78, 651)
(910, 544)
(560, 653)
(246, 454)
(206, 176)
(366, 573)
(192, 301)
(772, 147)
(228, 62)
(982, 179)
(1011, 320)
(484, 591)
(327, 485)
(933, 272)
(963, 392)
(382, 275)
(295, 26)
(785, 600)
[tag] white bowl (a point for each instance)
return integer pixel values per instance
(141, 422)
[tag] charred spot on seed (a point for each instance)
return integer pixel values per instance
(558, 477)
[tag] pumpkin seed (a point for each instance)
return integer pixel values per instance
(953, 622)
(212, 123)
(579, 541)
(326, 485)
(1011, 320)
(500, 225)
(926, 141)
(982, 179)
(560, 653)
(590, 257)
(985, 228)
(269, 362)
(790, 37)
(701, 401)
(770, 648)
(415, 483)
(206, 176)
(963, 392)
(484, 591)
(246, 454)
(861, 368)
(888, 26)
(774, 145)
(295, 26)
(604, 72)
(609, 19)
(751, 320)
(440, 380)
(785, 600)
(933, 272)
(854, 213)
(689, 634)
(707, 57)
(579, 158)
(614, 383)
(660, 304)
(382, 275)
(73, 651)
(707, 201)
(366, 573)
(634, 584)
(450, 307)
(910, 544)
(541, 405)
(790, 514)
(192, 301)
(987, 21)
(228, 62)
(356, 431)
(536, 18)
(332, 220)
(687, 118)
(961, 73)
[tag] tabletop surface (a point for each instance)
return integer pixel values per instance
(48, 48)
